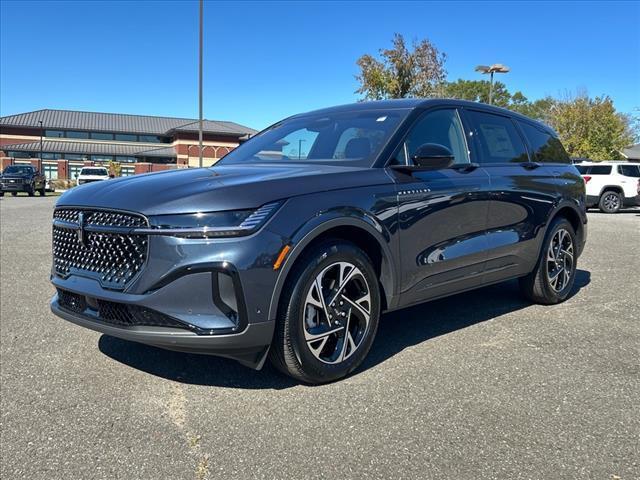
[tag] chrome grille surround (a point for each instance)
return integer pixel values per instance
(99, 244)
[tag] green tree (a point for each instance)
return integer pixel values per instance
(115, 168)
(591, 127)
(538, 110)
(478, 91)
(402, 72)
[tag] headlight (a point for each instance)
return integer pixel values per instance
(233, 223)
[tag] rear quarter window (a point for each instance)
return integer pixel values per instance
(629, 170)
(545, 147)
(582, 169)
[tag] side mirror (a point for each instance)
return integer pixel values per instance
(433, 156)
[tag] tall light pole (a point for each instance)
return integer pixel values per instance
(41, 147)
(491, 69)
(200, 87)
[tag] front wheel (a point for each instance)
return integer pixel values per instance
(555, 273)
(42, 192)
(610, 202)
(328, 315)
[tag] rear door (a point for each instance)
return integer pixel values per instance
(524, 190)
(442, 213)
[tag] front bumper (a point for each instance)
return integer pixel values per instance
(247, 347)
(193, 282)
(15, 187)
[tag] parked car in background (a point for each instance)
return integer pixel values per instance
(293, 255)
(92, 174)
(49, 186)
(611, 185)
(22, 178)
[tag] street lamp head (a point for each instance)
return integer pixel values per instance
(495, 68)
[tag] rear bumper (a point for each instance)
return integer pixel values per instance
(248, 347)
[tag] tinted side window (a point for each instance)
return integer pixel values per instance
(546, 148)
(629, 170)
(498, 139)
(442, 127)
(582, 169)
(600, 170)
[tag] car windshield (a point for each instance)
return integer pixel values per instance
(94, 171)
(18, 169)
(353, 138)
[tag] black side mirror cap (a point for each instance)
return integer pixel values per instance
(429, 156)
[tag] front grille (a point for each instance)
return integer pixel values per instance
(113, 259)
(117, 314)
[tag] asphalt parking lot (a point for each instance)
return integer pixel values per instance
(481, 385)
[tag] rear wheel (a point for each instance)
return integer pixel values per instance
(42, 192)
(328, 316)
(554, 275)
(31, 190)
(610, 202)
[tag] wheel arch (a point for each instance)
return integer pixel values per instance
(573, 214)
(615, 188)
(363, 232)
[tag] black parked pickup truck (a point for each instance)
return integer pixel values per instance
(22, 178)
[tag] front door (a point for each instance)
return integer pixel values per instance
(442, 213)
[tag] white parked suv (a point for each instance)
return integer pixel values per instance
(611, 185)
(92, 174)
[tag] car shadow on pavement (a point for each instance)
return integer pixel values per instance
(397, 331)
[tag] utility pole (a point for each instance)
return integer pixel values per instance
(200, 87)
(495, 68)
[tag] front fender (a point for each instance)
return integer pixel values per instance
(330, 219)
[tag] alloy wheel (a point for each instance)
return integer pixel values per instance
(611, 202)
(560, 260)
(337, 311)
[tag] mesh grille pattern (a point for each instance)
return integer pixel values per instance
(113, 259)
(119, 314)
(66, 215)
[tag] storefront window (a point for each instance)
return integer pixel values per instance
(101, 158)
(50, 171)
(101, 136)
(73, 134)
(123, 137)
(18, 154)
(54, 133)
(127, 171)
(123, 159)
(74, 171)
(75, 156)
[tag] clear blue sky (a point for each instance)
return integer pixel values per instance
(264, 61)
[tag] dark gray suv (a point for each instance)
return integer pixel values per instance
(294, 243)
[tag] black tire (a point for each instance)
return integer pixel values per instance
(42, 192)
(14, 194)
(610, 202)
(1, 194)
(291, 352)
(31, 191)
(539, 286)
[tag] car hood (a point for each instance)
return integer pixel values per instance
(17, 175)
(218, 188)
